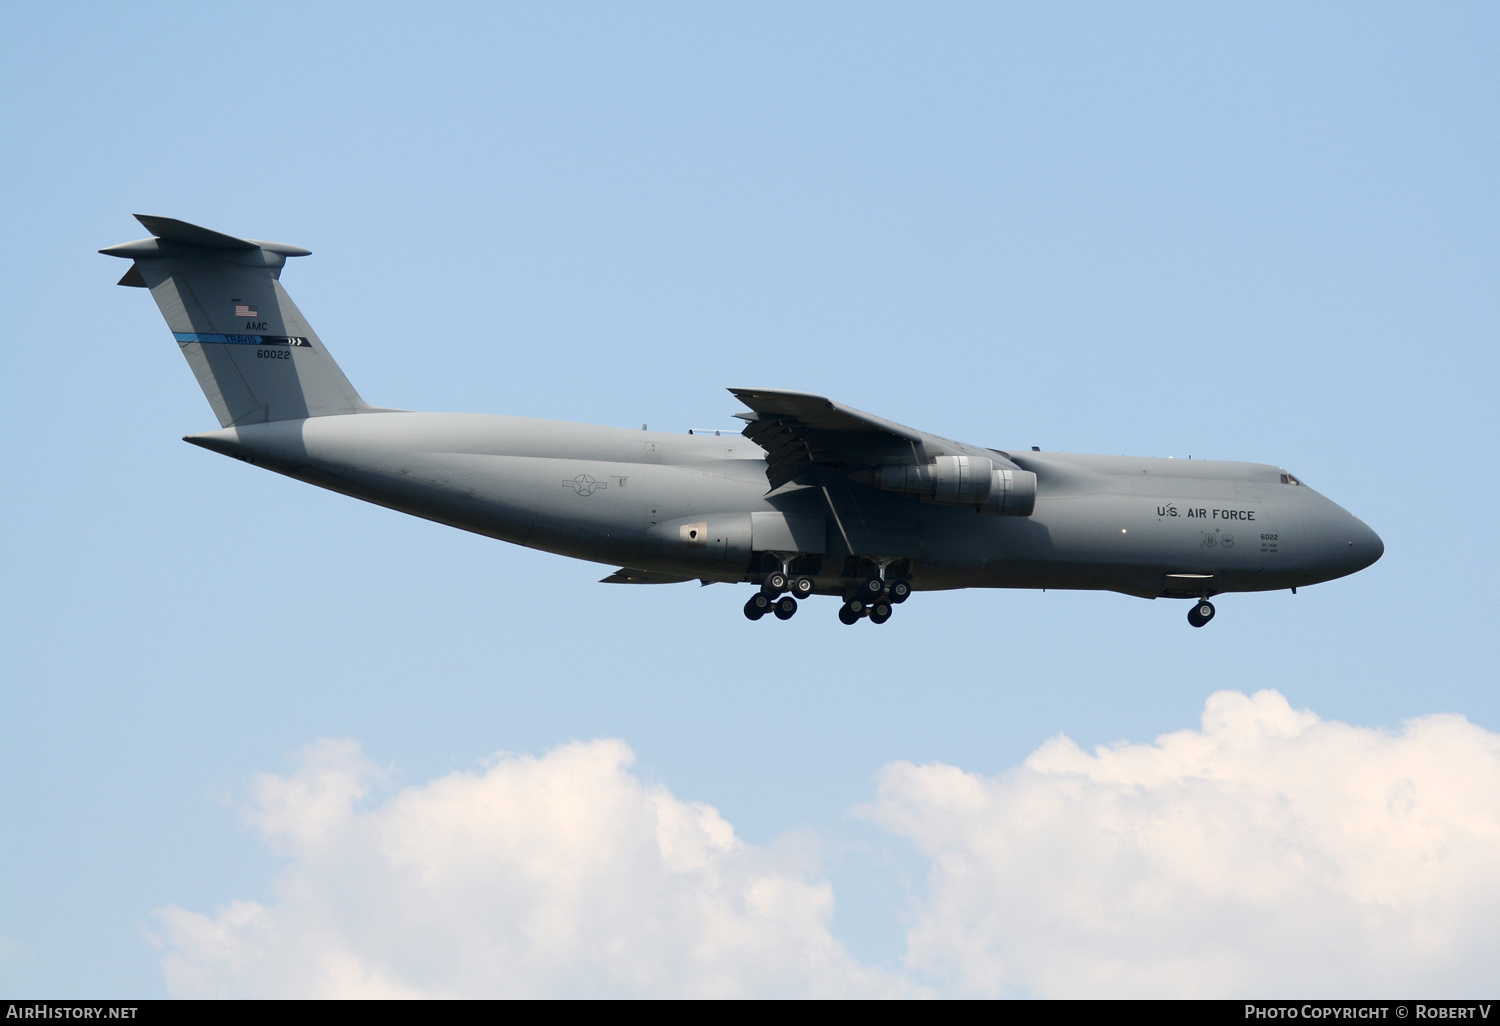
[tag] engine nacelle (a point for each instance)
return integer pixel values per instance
(1012, 493)
(964, 481)
(951, 480)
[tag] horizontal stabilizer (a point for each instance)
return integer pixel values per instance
(173, 230)
(181, 231)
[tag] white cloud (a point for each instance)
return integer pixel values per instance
(1267, 853)
(559, 875)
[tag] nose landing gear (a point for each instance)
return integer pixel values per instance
(1201, 613)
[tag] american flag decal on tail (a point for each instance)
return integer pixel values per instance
(244, 310)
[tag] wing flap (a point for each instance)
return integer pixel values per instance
(820, 413)
(800, 431)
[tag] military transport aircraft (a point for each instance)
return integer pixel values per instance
(817, 498)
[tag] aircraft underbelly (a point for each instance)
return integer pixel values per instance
(694, 508)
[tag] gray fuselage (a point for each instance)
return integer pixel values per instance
(697, 507)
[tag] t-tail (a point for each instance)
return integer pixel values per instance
(255, 356)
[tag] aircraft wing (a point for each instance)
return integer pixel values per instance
(800, 431)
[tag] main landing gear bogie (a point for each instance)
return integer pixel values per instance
(877, 606)
(760, 604)
(773, 598)
(777, 583)
(857, 609)
(1201, 613)
(873, 598)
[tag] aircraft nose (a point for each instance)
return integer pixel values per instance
(1365, 546)
(1352, 546)
(1344, 545)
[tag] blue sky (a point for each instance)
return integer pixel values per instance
(1264, 233)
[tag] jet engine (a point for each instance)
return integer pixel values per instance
(964, 481)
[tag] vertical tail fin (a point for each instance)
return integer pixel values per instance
(254, 355)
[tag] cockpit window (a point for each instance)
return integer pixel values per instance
(1289, 479)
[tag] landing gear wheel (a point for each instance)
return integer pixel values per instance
(802, 587)
(786, 608)
(898, 591)
(758, 606)
(775, 583)
(850, 615)
(880, 612)
(1201, 613)
(871, 589)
